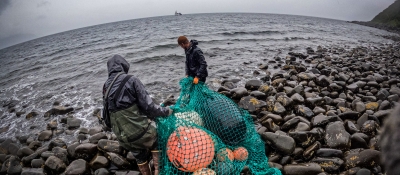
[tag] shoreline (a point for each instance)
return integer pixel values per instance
(347, 93)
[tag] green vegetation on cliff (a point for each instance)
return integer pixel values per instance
(390, 16)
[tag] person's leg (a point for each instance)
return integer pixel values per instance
(142, 157)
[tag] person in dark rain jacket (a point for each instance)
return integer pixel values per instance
(131, 111)
(196, 65)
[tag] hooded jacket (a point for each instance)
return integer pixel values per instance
(132, 93)
(196, 64)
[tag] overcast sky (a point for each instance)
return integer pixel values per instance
(22, 20)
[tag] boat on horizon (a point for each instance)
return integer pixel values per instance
(177, 14)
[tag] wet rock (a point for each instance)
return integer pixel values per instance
(370, 127)
(353, 87)
(369, 98)
(297, 98)
(58, 110)
(318, 110)
(278, 108)
(13, 149)
(384, 105)
(73, 123)
(306, 76)
(394, 90)
(359, 107)
(302, 127)
(372, 106)
(102, 171)
(362, 158)
(13, 166)
(71, 149)
(37, 163)
(45, 135)
(310, 151)
(4, 146)
(323, 81)
(282, 143)
(393, 98)
(313, 102)
(358, 142)
(343, 77)
(364, 171)
(336, 136)
(252, 104)
(61, 153)
(328, 152)
(259, 95)
(86, 151)
(331, 165)
(290, 123)
(383, 94)
(95, 130)
(24, 151)
(238, 93)
(117, 160)
(45, 155)
(253, 84)
(304, 111)
(305, 138)
(27, 160)
(285, 100)
(99, 162)
(32, 171)
(321, 120)
(95, 138)
(382, 113)
(302, 169)
(57, 143)
(52, 125)
(270, 125)
(352, 115)
(54, 165)
(351, 127)
(78, 167)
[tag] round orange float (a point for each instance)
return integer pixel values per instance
(225, 153)
(204, 171)
(241, 154)
(190, 149)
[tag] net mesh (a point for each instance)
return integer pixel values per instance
(209, 134)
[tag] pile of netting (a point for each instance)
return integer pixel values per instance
(209, 134)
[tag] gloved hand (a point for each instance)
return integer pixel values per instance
(195, 80)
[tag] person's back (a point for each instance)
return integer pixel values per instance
(131, 109)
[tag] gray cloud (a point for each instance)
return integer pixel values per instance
(3, 5)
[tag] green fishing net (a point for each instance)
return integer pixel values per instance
(209, 134)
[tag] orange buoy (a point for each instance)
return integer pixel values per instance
(225, 153)
(204, 171)
(190, 149)
(241, 154)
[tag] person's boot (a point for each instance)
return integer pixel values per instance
(156, 159)
(144, 168)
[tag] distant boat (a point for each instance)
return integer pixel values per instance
(177, 14)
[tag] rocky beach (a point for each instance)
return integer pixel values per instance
(320, 112)
(319, 90)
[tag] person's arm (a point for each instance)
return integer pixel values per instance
(146, 104)
(203, 64)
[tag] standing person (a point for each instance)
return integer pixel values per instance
(130, 113)
(196, 65)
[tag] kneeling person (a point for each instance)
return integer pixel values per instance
(131, 110)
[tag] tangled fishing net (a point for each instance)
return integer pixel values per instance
(209, 134)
